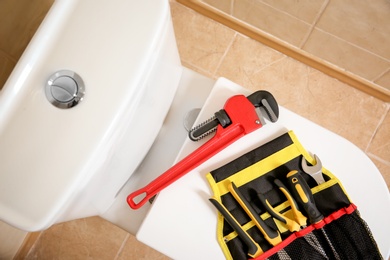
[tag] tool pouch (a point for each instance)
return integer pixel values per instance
(342, 234)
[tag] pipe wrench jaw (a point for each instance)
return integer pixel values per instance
(248, 112)
(265, 102)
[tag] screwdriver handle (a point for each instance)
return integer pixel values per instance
(303, 195)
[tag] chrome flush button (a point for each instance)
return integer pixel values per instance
(65, 89)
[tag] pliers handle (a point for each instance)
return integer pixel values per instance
(292, 224)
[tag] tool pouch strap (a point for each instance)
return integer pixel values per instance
(254, 173)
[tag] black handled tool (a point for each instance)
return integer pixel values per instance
(272, 236)
(302, 193)
(254, 250)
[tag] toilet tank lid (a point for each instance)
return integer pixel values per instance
(111, 45)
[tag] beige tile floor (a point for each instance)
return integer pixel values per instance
(353, 35)
(215, 50)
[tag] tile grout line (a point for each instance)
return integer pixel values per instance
(214, 73)
(284, 12)
(381, 74)
(376, 157)
(270, 64)
(313, 26)
(186, 63)
(377, 128)
(355, 45)
(122, 246)
(31, 247)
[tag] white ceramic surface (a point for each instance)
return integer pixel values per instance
(60, 164)
(191, 94)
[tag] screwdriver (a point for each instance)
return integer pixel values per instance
(302, 193)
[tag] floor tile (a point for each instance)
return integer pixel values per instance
(304, 10)
(133, 249)
(245, 59)
(272, 21)
(6, 67)
(342, 109)
(19, 25)
(358, 31)
(10, 239)
(380, 145)
(89, 238)
(384, 80)
(303, 90)
(364, 23)
(384, 169)
(222, 5)
(345, 55)
(201, 41)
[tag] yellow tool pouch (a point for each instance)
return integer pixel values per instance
(340, 234)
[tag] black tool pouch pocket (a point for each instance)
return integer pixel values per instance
(341, 234)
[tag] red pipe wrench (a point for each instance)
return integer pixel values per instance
(241, 115)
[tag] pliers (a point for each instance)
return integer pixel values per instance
(272, 236)
(291, 224)
(296, 224)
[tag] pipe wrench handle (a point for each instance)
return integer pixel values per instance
(138, 198)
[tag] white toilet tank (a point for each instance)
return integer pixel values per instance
(58, 164)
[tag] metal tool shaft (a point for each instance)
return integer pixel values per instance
(314, 171)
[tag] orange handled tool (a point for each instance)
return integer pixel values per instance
(238, 118)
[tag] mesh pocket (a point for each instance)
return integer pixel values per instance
(345, 238)
(351, 238)
(302, 249)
